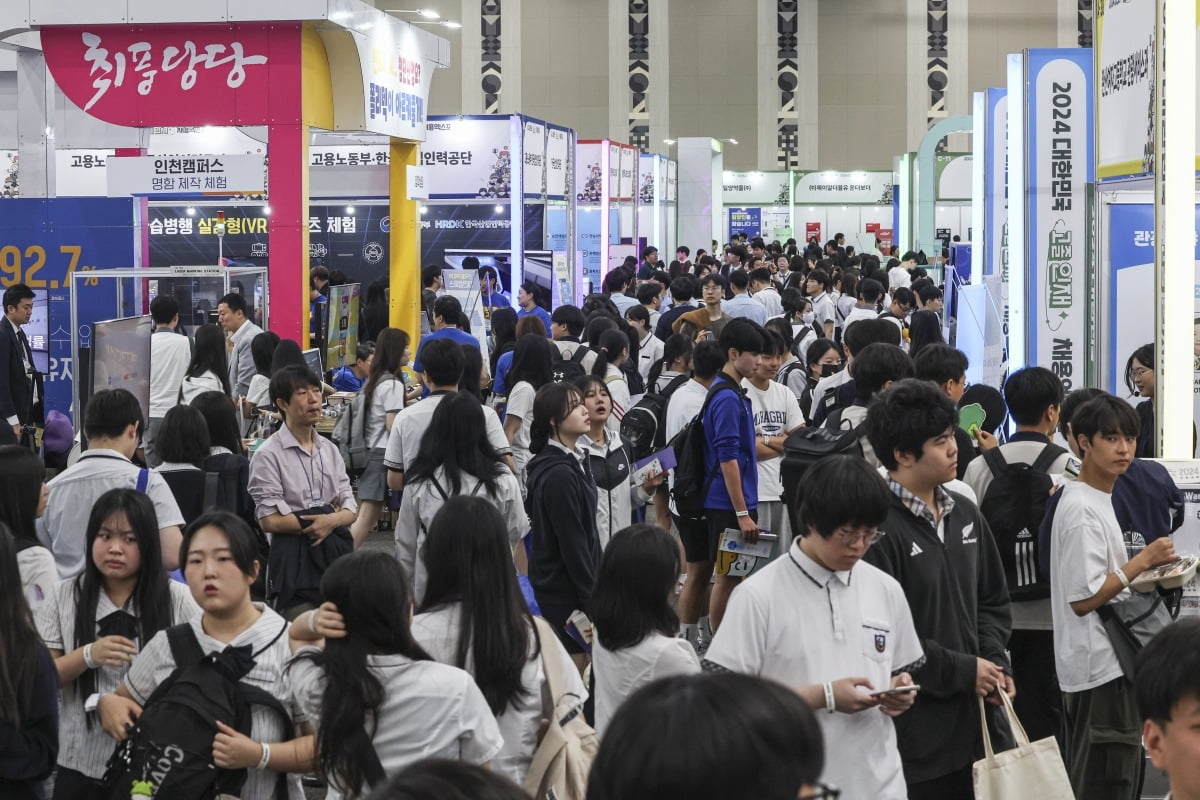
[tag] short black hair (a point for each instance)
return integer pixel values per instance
(262, 351)
(713, 277)
(905, 416)
(110, 412)
(707, 360)
(616, 281)
(929, 292)
(235, 302)
(822, 277)
(243, 546)
(683, 248)
(845, 491)
(743, 335)
(683, 288)
(489, 272)
(286, 381)
(773, 343)
(183, 437)
(470, 262)
(648, 250)
(1072, 403)
(909, 256)
(869, 331)
(570, 316)
(1168, 670)
(904, 296)
(761, 275)
(739, 252)
(878, 365)
(870, 290)
(430, 274)
(443, 361)
(448, 308)
(362, 351)
(164, 308)
(648, 291)
(1105, 416)
(14, 294)
(1029, 392)
(739, 279)
(940, 363)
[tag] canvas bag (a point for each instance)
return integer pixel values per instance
(564, 756)
(1031, 769)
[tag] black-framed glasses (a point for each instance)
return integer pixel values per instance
(823, 792)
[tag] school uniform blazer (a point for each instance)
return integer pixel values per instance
(960, 606)
(16, 392)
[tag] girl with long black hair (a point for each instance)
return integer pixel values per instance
(220, 562)
(531, 370)
(676, 360)
(611, 354)
(208, 371)
(371, 689)
(28, 688)
(22, 501)
(455, 458)
(95, 625)
(475, 618)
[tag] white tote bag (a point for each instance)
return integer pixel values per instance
(1029, 770)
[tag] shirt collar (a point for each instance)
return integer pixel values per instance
(916, 505)
(16, 328)
(1029, 436)
(556, 443)
(814, 571)
(103, 453)
(288, 439)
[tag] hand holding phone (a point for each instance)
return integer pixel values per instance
(916, 687)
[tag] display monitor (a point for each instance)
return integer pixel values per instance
(312, 357)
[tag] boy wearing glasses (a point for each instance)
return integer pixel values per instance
(837, 631)
(938, 546)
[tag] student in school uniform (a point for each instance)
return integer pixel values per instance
(94, 624)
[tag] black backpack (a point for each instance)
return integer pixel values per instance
(1014, 506)
(643, 426)
(169, 751)
(568, 369)
(806, 447)
(225, 479)
(692, 478)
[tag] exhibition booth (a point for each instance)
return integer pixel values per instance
(606, 217)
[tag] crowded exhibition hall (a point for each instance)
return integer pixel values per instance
(599, 400)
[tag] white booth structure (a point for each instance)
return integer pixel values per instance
(657, 182)
(606, 218)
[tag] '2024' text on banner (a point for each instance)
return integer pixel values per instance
(1059, 166)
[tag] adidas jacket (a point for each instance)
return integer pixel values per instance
(959, 602)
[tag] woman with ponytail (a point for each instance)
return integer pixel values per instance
(676, 360)
(371, 690)
(612, 350)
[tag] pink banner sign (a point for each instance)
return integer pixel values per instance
(159, 75)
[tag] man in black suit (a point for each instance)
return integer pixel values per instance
(17, 396)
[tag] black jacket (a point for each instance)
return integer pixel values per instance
(28, 753)
(562, 514)
(16, 387)
(959, 602)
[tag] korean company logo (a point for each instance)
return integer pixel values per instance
(385, 224)
(373, 252)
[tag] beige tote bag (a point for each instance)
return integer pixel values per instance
(1029, 770)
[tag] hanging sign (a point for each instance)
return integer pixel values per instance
(468, 157)
(755, 188)
(628, 177)
(558, 173)
(1124, 63)
(589, 173)
(167, 175)
(534, 145)
(614, 171)
(843, 188)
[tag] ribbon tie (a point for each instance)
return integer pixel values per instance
(235, 662)
(119, 623)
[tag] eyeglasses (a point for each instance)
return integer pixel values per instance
(1140, 371)
(824, 792)
(854, 537)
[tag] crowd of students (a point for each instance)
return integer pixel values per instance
(543, 575)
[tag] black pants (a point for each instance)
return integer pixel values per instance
(958, 785)
(72, 785)
(1039, 700)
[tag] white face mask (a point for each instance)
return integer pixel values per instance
(808, 317)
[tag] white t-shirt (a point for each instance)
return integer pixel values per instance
(170, 353)
(769, 297)
(1085, 546)
(682, 407)
(259, 393)
(520, 405)
(857, 313)
(387, 398)
(823, 308)
(268, 642)
(410, 426)
(437, 631)
(898, 277)
(208, 382)
(620, 673)
(39, 575)
(776, 413)
(650, 352)
(430, 710)
(797, 623)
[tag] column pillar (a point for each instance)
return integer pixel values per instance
(404, 307)
(699, 191)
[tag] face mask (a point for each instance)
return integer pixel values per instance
(808, 317)
(830, 369)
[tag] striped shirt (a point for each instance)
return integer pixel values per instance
(84, 749)
(268, 640)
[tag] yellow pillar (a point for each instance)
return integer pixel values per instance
(405, 240)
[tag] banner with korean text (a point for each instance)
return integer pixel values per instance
(468, 157)
(1125, 75)
(1059, 165)
(995, 268)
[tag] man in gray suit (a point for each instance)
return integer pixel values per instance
(232, 314)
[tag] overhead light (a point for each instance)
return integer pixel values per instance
(191, 211)
(429, 13)
(730, 141)
(449, 23)
(349, 209)
(669, 141)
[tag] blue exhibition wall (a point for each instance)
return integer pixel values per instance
(43, 242)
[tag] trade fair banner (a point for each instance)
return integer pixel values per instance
(614, 171)
(1060, 161)
(468, 157)
(672, 181)
(186, 175)
(396, 75)
(746, 221)
(45, 243)
(628, 176)
(589, 173)
(349, 155)
(533, 142)
(995, 268)
(756, 188)
(342, 330)
(953, 176)
(843, 188)
(81, 173)
(1125, 77)
(558, 162)
(476, 227)
(651, 175)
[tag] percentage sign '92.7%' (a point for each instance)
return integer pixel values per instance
(19, 265)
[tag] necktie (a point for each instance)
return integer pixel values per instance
(235, 662)
(118, 623)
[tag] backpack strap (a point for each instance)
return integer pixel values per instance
(143, 480)
(185, 650)
(1050, 453)
(211, 481)
(579, 355)
(555, 681)
(438, 486)
(675, 383)
(994, 460)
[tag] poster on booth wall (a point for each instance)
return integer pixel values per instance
(1124, 59)
(468, 157)
(1060, 164)
(477, 227)
(589, 173)
(534, 144)
(1130, 298)
(812, 232)
(628, 176)
(614, 171)
(558, 162)
(672, 181)
(953, 176)
(995, 178)
(341, 341)
(746, 221)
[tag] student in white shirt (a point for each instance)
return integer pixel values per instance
(676, 360)
(762, 289)
(208, 371)
(383, 399)
(650, 347)
(94, 624)
(473, 617)
(22, 500)
(612, 351)
(220, 553)
(262, 351)
(455, 459)
(371, 690)
(531, 370)
(635, 626)
(1092, 563)
(169, 356)
(817, 287)
(833, 629)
